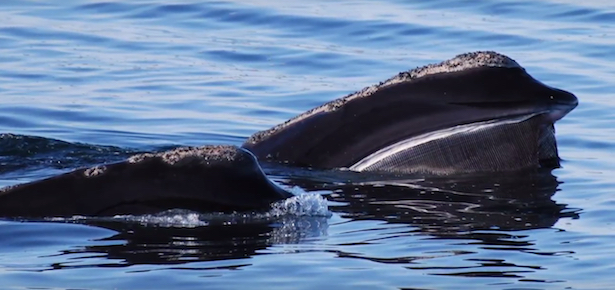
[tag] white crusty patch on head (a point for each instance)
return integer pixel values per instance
(7, 188)
(95, 171)
(459, 63)
(214, 153)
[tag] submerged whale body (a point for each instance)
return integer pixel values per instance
(476, 113)
(209, 178)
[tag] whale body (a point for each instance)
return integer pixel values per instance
(209, 178)
(476, 113)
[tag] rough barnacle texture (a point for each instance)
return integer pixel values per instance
(7, 188)
(203, 154)
(459, 63)
(95, 171)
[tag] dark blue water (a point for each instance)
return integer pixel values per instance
(87, 82)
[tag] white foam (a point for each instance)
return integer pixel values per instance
(306, 204)
(302, 205)
(169, 218)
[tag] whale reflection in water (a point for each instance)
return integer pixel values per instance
(476, 113)
(474, 209)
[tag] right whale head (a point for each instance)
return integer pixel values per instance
(477, 112)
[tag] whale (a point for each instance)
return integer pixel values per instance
(477, 113)
(218, 178)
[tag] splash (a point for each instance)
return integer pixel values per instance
(293, 208)
(306, 204)
(288, 214)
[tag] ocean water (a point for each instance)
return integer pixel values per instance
(87, 82)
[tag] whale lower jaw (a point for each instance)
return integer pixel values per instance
(521, 142)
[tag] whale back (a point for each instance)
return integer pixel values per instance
(216, 178)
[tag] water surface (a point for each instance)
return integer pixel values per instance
(86, 82)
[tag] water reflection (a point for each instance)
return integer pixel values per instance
(445, 207)
(475, 214)
(472, 216)
(223, 237)
(145, 244)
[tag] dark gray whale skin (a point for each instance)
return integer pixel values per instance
(469, 88)
(209, 178)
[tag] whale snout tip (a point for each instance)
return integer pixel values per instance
(561, 103)
(564, 98)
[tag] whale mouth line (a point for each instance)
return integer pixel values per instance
(558, 111)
